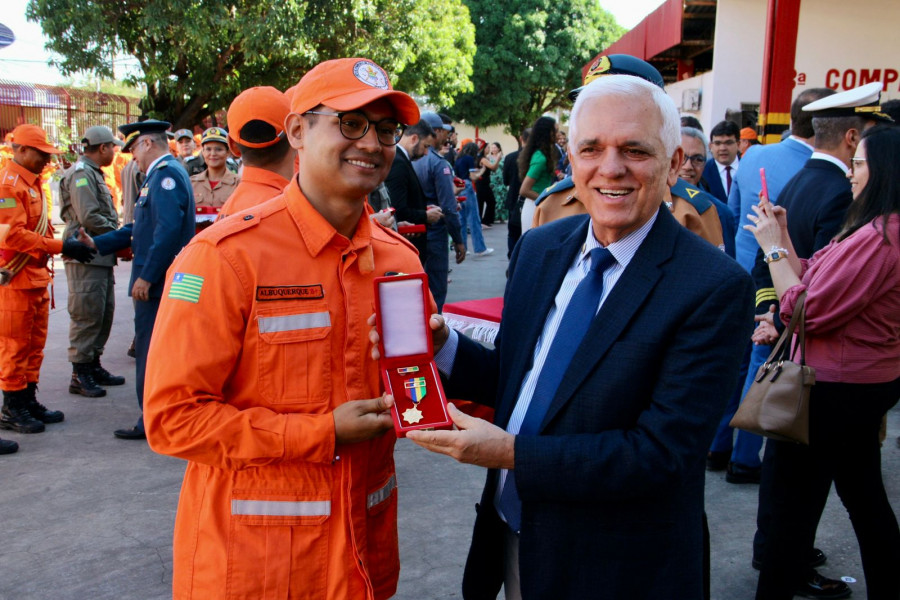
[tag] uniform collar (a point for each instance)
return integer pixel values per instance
(157, 161)
(27, 176)
(317, 233)
(229, 177)
(90, 163)
(264, 176)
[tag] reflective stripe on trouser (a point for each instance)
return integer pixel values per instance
(23, 333)
(91, 304)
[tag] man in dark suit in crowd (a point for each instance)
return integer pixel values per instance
(612, 366)
(816, 200)
(403, 184)
(719, 173)
(513, 182)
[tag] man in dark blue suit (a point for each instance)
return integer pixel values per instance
(163, 225)
(719, 173)
(403, 184)
(621, 337)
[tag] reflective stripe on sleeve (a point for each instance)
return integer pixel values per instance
(278, 508)
(382, 493)
(294, 322)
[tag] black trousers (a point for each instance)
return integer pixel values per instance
(843, 445)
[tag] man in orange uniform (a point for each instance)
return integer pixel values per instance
(24, 300)
(260, 373)
(257, 135)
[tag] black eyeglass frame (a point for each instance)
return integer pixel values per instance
(340, 115)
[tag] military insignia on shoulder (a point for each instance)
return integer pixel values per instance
(168, 183)
(691, 191)
(79, 166)
(162, 165)
(144, 191)
(81, 182)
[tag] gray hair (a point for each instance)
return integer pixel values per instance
(695, 133)
(628, 85)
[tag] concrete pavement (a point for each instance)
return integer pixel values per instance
(88, 516)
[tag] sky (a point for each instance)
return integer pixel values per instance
(26, 59)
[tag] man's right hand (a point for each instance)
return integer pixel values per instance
(78, 250)
(361, 420)
(460, 252)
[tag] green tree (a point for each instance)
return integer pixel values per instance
(530, 54)
(197, 55)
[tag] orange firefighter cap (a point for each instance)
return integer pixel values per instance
(33, 137)
(350, 83)
(265, 104)
(748, 133)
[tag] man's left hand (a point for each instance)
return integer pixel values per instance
(476, 442)
(141, 290)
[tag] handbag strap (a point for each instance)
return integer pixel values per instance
(782, 349)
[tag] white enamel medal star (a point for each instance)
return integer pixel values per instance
(412, 415)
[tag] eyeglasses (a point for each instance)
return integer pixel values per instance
(856, 162)
(354, 125)
(724, 143)
(696, 159)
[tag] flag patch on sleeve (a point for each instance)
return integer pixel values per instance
(81, 182)
(186, 287)
(7, 202)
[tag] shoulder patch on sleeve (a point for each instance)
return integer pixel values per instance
(81, 182)
(186, 286)
(168, 183)
(7, 203)
(161, 165)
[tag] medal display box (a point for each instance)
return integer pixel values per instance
(407, 363)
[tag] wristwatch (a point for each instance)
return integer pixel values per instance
(775, 253)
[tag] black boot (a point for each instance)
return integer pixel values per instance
(8, 447)
(38, 410)
(83, 381)
(15, 414)
(104, 377)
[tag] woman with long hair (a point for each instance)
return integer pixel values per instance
(853, 341)
(537, 162)
(465, 168)
(493, 162)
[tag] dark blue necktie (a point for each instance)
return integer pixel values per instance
(575, 322)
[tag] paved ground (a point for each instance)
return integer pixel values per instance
(88, 516)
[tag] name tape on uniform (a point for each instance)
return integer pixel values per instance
(290, 292)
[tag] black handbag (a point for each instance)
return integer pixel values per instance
(777, 404)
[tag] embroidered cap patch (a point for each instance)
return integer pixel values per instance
(186, 287)
(371, 74)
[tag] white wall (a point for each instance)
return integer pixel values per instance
(703, 82)
(847, 36)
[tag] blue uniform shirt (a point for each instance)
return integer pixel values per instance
(163, 224)
(436, 177)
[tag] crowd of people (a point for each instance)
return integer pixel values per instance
(651, 269)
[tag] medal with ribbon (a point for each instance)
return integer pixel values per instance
(416, 388)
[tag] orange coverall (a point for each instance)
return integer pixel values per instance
(261, 334)
(24, 302)
(257, 185)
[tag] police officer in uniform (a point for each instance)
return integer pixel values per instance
(86, 202)
(192, 163)
(436, 176)
(163, 224)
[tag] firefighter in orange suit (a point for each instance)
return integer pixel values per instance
(26, 243)
(257, 135)
(260, 373)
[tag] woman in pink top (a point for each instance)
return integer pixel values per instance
(853, 341)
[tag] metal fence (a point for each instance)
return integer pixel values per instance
(64, 112)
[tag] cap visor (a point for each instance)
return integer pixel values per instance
(48, 149)
(406, 109)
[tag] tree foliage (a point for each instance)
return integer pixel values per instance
(197, 55)
(530, 54)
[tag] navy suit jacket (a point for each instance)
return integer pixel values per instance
(163, 225)
(711, 175)
(781, 161)
(407, 197)
(612, 486)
